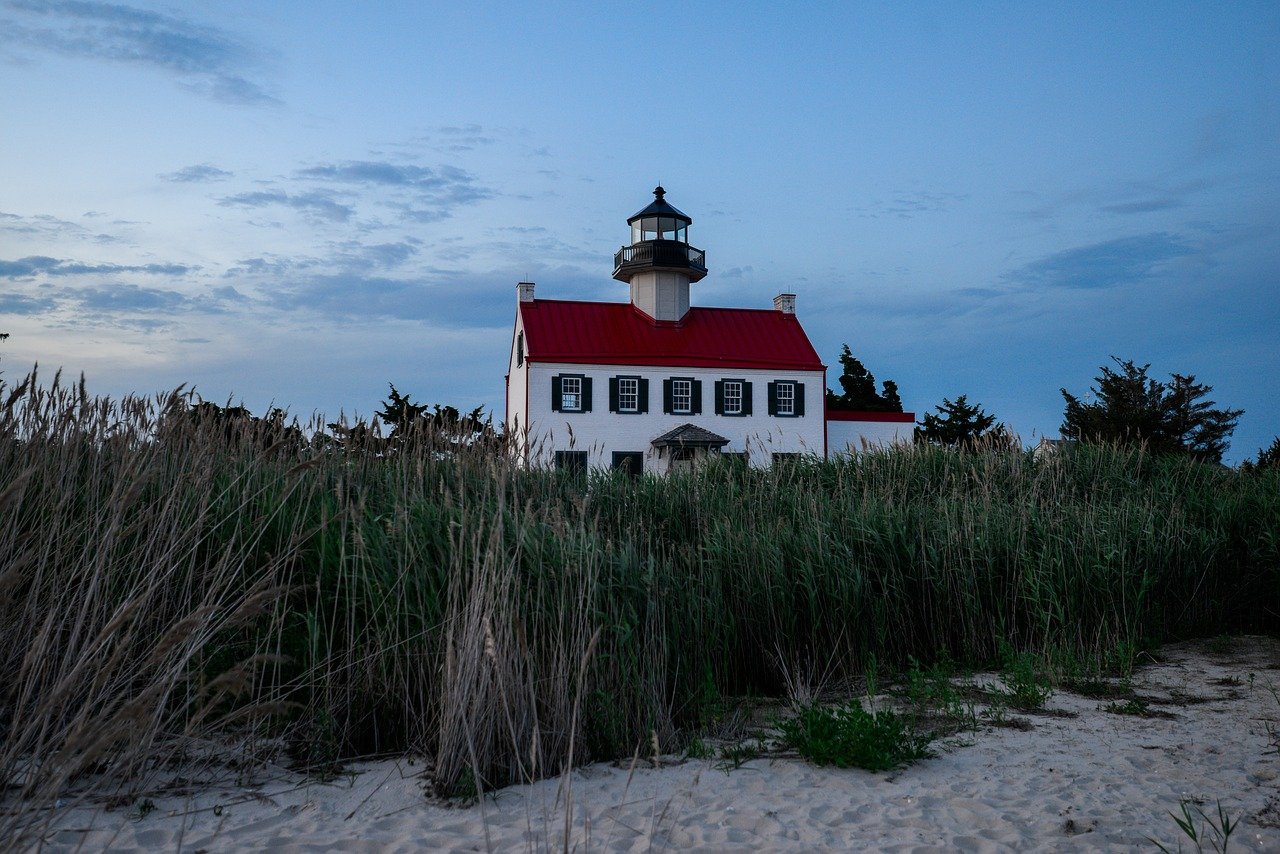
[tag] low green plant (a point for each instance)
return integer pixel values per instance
(699, 749)
(997, 712)
(1203, 829)
(1135, 706)
(932, 692)
(1025, 685)
(733, 756)
(849, 736)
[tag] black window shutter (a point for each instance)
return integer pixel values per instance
(799, 399)
(773, 398)
(719, 397)
(695, 397)
(555, 393)
(586, 394)
(746, 398)
(613, 394)
(642, 405)
(667, 404)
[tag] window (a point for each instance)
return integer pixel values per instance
(732, 397)
(520, 349)
(571, 393)
(682, 396)
(628, 394)
(571, 461)
(631, 462)
(786, 398)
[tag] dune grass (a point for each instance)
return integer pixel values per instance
(168, 582)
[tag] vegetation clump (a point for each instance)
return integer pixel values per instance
(849, 736)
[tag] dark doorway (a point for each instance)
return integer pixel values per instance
(572, 461)
(631, 462)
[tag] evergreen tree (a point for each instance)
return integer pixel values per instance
(893, 403)
(1268, 458)
(858, 387)
(441, 427)
(1130, 407)
(957, 423)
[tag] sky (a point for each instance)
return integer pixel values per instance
(294, 204)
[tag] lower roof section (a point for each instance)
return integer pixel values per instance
(893, 417)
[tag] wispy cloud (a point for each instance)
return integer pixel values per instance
(1102, 265)
(41, 265)
(198, 173)
(23, 304)
(123, 304)
(465, 138)
(417, 193)
(451, 297)
(45, 226)
(384, 256)
(315, 203)
(128, 298)
(910, 204)
(205, 59)
(1143, 206)
(443, 183)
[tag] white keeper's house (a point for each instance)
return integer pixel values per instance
(654, 384)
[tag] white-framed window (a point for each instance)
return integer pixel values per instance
(571, 394)
(682, 396)
(732, 397)
(628, 394)
(786, 393)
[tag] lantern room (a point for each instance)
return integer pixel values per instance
(659, 242)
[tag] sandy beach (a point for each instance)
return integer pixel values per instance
(1080, 778)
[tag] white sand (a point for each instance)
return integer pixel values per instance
(1095, 781)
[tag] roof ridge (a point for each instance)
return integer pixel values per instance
(632, 305)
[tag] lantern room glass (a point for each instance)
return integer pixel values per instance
(659, 228)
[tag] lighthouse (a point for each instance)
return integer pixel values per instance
(660, 263)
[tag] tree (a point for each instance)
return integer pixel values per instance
(1129, 407)
(1268, 458)
(958, 422)
(440, 427)
(238, 426)
(858, 387)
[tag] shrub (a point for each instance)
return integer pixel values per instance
(849, 736)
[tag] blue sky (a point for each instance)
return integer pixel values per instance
(296, 203)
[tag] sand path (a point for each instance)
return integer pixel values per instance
(1095, 781)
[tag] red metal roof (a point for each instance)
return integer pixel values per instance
(852, 415)
(610, 333)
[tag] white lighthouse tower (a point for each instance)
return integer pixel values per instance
(660, 264)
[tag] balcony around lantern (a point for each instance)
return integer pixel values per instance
(659, 255)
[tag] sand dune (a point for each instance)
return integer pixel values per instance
(1081, 779)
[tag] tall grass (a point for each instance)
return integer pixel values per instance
(167, 580)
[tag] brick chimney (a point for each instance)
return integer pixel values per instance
(524, 290)
(785, 303)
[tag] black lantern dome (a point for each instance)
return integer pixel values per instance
(659, 241)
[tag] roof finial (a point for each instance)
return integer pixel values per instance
(658, 192)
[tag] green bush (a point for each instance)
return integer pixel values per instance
(849, 736)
